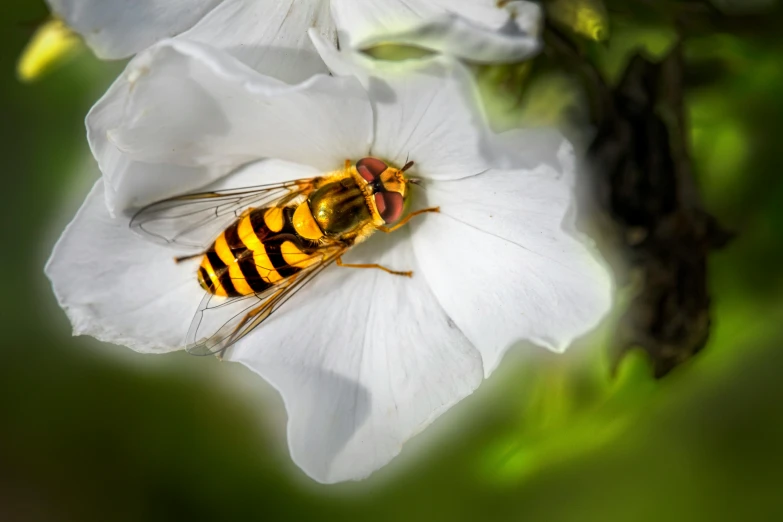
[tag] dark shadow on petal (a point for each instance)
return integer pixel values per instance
(380, 92)
(322, 421)
(279, 62)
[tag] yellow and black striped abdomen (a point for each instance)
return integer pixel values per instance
(257, 251)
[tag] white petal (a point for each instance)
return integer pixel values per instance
(119, 28)
(127, 183)
(185, 114)
(502, 265)
(118, 287)
(425, 110)
(529, 148)
(264, 172)
(478, 30)
(431, 116)
(363, 360)
(269, 35)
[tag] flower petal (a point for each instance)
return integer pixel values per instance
(363, 360)
(131, 184)
(118, 287)
(425, 110)
(478, 30)
(118, 28)
(269, 35)
(530, 147)
(185, 114)
(503, 267)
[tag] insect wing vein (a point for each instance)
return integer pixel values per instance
(194, 220)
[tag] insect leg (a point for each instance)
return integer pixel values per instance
(179, 260)
(408, 218)
(339, 262)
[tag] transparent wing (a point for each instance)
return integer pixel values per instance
(222, 321)
(195, 220)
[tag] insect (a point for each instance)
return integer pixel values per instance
(260, 245)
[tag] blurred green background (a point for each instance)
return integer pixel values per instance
(90, 431)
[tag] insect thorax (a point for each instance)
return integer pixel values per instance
(340, 208)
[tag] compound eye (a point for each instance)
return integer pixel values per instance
(390, 205)
(370, 169)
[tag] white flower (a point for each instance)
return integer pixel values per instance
(271, 35)
(363, 359)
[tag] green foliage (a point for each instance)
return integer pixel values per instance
(585, 18)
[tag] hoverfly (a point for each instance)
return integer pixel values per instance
(262, 244)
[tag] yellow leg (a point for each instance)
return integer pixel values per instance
(408, 218)
(339, 262)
